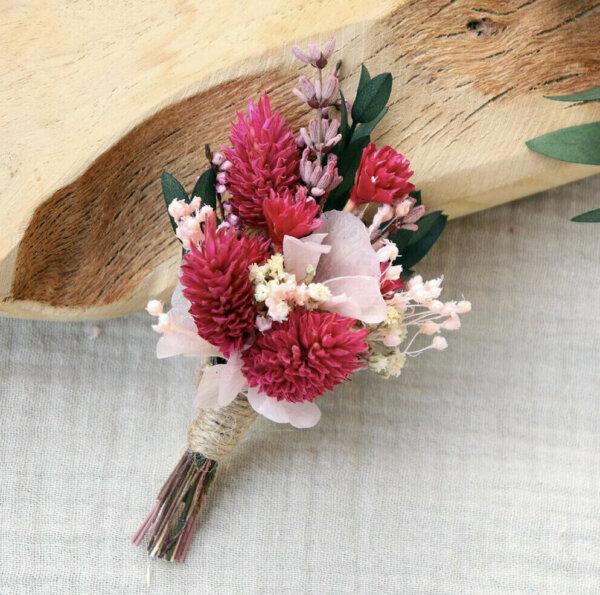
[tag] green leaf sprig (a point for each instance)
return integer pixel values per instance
(575, 144)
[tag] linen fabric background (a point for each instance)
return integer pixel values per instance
(477, 471)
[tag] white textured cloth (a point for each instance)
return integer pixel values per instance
(477, 471)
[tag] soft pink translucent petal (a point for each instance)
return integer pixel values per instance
(183, 339)
(232, 380)
(207, 395)
(183, 320)
(351, 252)
(179, 301)
(179, 311)
(172, 344)
(268, 406)
(356, 297)
(351, 269)
(302, 415)
(300, 253)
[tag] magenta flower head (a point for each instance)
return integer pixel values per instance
(291, 215)
(216, 282)
(263, 157)
(304, 356)
(382, 176)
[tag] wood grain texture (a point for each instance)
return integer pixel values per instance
(99, 99)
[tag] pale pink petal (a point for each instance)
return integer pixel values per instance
(182, 339)
(303, 252)
(351, 252)
(172, 344)
(207, 395)
(302, 415)
(183, 320)
(232, 380)
(270, 407)
(179, 312)
(342, 305)
(356, 297)
(178, 300)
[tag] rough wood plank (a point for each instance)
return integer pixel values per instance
(99, 99)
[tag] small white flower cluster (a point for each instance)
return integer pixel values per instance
(188, 217)
(416, 309)
(281, 292)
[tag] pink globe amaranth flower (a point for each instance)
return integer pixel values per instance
(290, 214)
(304, 356)
(264, 157)
(382, 176)
(217, 284)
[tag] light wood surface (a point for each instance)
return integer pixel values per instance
(98, 98)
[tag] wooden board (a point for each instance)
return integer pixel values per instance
(98, 98)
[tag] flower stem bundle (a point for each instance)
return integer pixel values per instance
(212, 437)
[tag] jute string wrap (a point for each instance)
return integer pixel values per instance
(216, 432)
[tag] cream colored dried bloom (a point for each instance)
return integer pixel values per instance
(319, 292)
(377, 362)
(261, 293)
(395, 362)
(392, 317)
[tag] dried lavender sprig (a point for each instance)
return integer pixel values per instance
(318, 95)
(323, 140)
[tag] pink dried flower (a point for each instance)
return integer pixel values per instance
(189, 232)
(304, 356)
(290, 214)
(315, 56)
(263, 157)
(439, 343)
(407, 215)
(382, 176)
(154, 307)
(320, 180)
(217, 284)
(327, 140)
(317, 95)
(179, 208)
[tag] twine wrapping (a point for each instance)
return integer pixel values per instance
(216, 432)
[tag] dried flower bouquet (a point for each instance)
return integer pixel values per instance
(296, 274)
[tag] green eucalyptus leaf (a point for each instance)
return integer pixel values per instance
(172, 190)
(401, 239)
(344, 127)
(205, 188)
(415, 252)
(424, 224)
(589, 95)
(372, 98)
(589, 217)
(366, 128)
(405, 237)
(576, 144)
(365, 77)
(348, 163)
